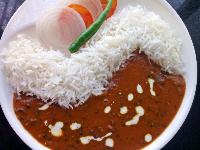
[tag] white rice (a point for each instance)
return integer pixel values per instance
(50, 75)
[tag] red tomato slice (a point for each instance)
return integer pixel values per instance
(85, 14)
(113, 8)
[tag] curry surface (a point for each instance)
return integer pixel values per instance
(159, 110)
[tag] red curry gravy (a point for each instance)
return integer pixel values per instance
(159, 111)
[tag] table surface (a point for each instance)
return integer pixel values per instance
(188, 137)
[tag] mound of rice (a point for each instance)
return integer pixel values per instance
(51, 75)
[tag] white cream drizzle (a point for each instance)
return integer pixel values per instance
(139, 89)
(151, 84)
(75, 126)
(130, 97)
(148, 138)
(107, 109)
(123, 110)
(44, 107)
(56, 130)
(109, 142)
(86, 140)
(140, 112)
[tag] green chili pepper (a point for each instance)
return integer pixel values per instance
(88, 33)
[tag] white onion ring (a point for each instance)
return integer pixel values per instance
(93, 6)
(58, 27)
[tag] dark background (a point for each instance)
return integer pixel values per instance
(188, 137)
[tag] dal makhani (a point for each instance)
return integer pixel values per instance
(119, 91)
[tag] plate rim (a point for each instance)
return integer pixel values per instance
(169, 7)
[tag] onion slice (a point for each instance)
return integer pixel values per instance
(93, 6)
(58, 27)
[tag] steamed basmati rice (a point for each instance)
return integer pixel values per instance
(51, 75)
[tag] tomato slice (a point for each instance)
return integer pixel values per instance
(113, 8)
(85, 14)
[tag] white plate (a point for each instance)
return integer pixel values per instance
(30, 11)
